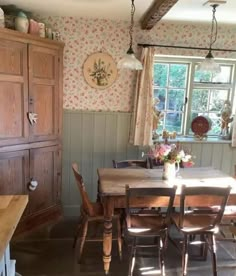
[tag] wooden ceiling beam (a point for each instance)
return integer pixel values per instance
(155, 12)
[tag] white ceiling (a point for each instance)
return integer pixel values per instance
(184, 10)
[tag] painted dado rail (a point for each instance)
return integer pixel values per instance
(93, 139)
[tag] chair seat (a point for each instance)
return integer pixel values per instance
(230, 211)
(194, 223)
(142, 225)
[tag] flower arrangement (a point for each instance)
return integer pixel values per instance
(171, 153)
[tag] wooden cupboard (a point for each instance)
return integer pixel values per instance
(31, 72)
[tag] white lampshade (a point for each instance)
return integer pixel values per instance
(209, 65)
(129, 61)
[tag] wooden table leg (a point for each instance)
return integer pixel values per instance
(107, 232)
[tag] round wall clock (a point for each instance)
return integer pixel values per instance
(100, 70)
(200, 125)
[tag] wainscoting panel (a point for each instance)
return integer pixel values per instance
(93, 139)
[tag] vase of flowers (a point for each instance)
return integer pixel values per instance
(171, 155)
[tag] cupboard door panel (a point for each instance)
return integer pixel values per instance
(11, 56)
(43, 92)
(14, 125)
(14, 172)
(43, 169)
(43, 105)
(43, 64)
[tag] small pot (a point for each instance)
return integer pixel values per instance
(22, 24)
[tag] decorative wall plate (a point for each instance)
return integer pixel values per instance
(100, 70)
(200, 126)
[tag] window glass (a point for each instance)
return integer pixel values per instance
(178, 75)
(175, 99)
(223, 77)
(160, 74)
(217, 99)
(199, 100)
(184, 93)
(173, 122)
(170, 86)
(201, 76)
(161, 95)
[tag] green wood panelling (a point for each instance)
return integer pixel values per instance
(66, 159)
(111, 139)
(206, 158)
(217, 155)
(227, 159)
(93, 139)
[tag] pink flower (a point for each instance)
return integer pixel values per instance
(164, 150)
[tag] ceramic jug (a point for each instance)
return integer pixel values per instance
(170, 170)
(22, 23)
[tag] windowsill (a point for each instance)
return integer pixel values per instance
(191, 139)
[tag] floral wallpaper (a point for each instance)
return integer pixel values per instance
(83, 37)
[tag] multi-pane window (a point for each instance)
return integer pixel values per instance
(183, 93)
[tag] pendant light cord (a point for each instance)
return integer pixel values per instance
(213, 27)
(130, 51)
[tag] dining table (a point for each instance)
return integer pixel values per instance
(112, 183)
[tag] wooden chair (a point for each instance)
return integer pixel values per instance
(195, 222)
(148, 223)
(229, 220)
(90, 211)
(155, 163)
(131, 163)
(134, 164)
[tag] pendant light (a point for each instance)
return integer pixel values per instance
(129, 61)
(209, 63)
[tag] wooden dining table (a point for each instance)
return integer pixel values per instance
(112, 184)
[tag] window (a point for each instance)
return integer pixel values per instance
(184, 93)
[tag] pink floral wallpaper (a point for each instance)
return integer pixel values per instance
(83, 37)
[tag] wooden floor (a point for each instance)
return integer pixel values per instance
(48, 252)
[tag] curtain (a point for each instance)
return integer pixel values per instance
(142, 116)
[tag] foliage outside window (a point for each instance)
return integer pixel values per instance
(185, 93)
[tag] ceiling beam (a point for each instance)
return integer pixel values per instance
(155, 12)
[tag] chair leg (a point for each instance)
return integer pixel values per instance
(213, 254)
(119, 239)
(77, 231)
(82, 239)
(98, 194)
(132, 258)
(185, 255)
(165, 240)
(204, 247)
(161, 256)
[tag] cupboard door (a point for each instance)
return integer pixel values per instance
(13, 93)
(43, 92)
(14, 172)
(44, 169)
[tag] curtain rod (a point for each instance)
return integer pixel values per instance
(184, 47)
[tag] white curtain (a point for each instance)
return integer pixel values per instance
(142, 117)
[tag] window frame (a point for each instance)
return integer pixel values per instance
(191, 85)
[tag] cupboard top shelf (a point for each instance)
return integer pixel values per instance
(29, 38)
(11, 210)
